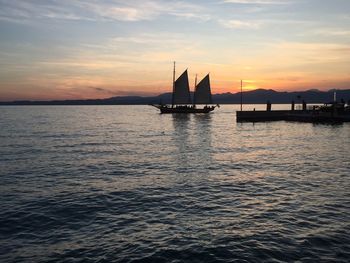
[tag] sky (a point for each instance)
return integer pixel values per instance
(80, 49)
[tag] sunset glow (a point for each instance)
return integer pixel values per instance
(99, 49)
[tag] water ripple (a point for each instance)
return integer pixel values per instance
(125, 184)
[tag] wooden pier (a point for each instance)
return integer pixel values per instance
(288, 115)
(256, 116)
(315, 114)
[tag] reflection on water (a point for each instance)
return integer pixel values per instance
(202, 138)
(192, 140)
(181, 140)
(127, 184)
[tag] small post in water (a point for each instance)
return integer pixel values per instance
(172, 99)
(268, 106)
(241, 95)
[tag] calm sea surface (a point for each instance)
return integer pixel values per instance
(126, 184)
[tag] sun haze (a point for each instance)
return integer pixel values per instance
(98, 49)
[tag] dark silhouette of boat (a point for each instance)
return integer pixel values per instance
(181, 96)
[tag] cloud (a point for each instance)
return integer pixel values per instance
(260, 2)
(104, 90)
(307, 58)
(121, 13)
(19, 11)
(162, 38)
(134, 10)
(240, 24)
(117, 91)
(332, 32)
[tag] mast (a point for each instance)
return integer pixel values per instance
(241, 95)
(194, 93)
(172, 102)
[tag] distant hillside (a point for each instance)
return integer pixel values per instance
(262, 96)
(249, 97)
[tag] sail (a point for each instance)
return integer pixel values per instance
(181, 94)
(203, 94)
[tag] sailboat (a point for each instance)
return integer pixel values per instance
(181, 96)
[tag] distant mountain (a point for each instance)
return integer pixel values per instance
(249, 97)
(263, 95)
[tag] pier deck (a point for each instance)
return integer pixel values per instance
(289, 115)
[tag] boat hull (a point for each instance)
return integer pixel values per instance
(189, 110)
(183, 110)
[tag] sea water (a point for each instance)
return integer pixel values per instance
(127, 184)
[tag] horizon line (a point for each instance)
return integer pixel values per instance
(160, 94)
